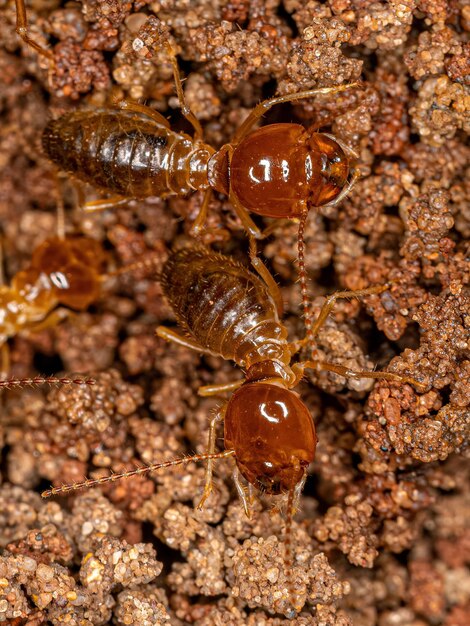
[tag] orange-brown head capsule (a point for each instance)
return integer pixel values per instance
(279, 169)
(273, 435)
(73, 267)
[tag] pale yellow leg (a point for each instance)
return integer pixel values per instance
(185, 110)
(241, 492)
(22, 30)
(51, 321)
(245, 219)
(349, 373)
(211, 450)
(215, 390)
(135, 107)
(268, 278)
(330, 302)
(201, 217)
(263, 107)
(105, 203)
(186, 342)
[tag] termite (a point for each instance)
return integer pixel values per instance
(278, 171)
(226, 310)
(64, 273)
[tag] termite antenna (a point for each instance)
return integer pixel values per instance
(13, 383)
(308, 317)
(139, 471)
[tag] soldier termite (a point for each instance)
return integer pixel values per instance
(279, 170)
(227, 310)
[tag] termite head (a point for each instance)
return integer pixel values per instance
(273, 435)
(279, 169)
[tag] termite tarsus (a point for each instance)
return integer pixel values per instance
(280, 170)
(227, 310)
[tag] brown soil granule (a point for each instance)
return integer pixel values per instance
(381, 537)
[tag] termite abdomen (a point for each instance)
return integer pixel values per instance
(126, 153)
(221, 304)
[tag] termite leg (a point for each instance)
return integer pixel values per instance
(135, 107)
(51, 321)
(145, 264)
(211, 450)
(247, 223)
(266, 275)
(22, 30)
(201, 217)
(185, 110)
(241, 492)
(331, 301)
(186, 342)
(5, 361)
(262, 108)
(60, 213)
(214, 390)
(105, 203)
(348, 373)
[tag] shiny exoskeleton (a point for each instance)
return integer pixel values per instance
(126, 153)
(227, 310)
(280, 171)
(63, 272)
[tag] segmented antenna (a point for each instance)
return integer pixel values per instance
(13, 383)
(308, 317)
(139, 471)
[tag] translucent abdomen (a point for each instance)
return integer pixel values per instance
(126, 154)
(223, 306)
(20, 309)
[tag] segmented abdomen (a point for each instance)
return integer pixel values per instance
(120, 152)
(222, 305)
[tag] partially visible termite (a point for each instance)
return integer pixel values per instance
(279, 170)
(227, 310)
(65, 272)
